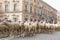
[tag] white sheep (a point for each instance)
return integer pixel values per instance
(39, 26)
(57, 27)
(26, 25)
(34, 24)
(51, 27)
(31, 29)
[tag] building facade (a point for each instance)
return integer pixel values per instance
(58, 17)
(28, 10)
(58, 20)
(49, 13)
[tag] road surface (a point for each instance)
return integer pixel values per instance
(42, 36)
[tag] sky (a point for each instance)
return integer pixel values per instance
(54, 3)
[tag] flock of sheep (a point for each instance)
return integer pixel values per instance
(26, 28)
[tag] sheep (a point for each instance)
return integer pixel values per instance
(21, 27)
(50, 27)
(47, 27)
(27, 28)
(26, 25)
(12, 28)
(34, 25)
(4, 31)
(39, 26)
(31, 29)
(57, 27)
(16, 29)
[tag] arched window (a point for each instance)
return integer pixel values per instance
(7, 7)
(15, 7)
(30, 9)
(25, 8)
(34, 9)
(40, 11)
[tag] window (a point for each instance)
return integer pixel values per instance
(25, 8)
(6, 7)
(35, 10)
(40, 11)
(15, 7)
(30, 9)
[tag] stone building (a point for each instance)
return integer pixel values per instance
(58, 17)
(58, 20)
(49, 14)
(1, 11)
(28, 10)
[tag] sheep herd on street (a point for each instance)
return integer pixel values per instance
(25, 29)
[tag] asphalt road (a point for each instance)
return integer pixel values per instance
(54, 36)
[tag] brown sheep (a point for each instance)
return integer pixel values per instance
(4, 31)
(39, 27)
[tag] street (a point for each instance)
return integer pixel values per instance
(42, 36)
